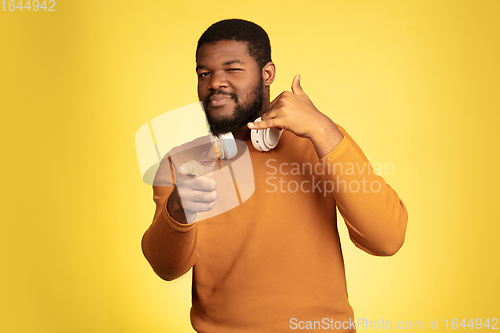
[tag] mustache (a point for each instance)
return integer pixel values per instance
(221, 92)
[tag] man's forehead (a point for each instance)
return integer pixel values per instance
(223, 51)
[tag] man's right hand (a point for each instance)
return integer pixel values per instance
(195, 188)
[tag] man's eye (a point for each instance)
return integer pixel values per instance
(234, 69)
(200, 75)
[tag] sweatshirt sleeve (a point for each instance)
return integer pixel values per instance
(169, 246)
(375, 216)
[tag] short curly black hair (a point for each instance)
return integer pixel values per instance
(259, 46)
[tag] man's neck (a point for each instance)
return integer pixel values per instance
(243, 133)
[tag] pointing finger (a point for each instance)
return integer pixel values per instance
(197, 167)
(190, 168)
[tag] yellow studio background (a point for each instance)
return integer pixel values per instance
(416, 83)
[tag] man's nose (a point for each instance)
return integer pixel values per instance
(218, 80)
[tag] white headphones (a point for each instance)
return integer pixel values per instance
(262, 140)
(266, 139)
(228, 144)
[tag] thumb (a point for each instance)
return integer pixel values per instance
(296, 88)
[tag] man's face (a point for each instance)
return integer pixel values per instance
(230, 85)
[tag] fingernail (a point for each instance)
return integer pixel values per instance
(251, 125)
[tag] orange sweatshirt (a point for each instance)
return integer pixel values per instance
(274, 263)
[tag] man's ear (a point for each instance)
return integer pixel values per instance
(268, 73)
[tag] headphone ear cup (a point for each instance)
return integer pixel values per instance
(227, 143)
(256, 136)
(215, 140)
(271, 137)
(266, 139)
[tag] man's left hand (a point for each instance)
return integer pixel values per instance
(295, 112)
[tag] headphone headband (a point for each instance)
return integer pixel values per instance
(262, 140)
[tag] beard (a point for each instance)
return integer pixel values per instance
(242, 113)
